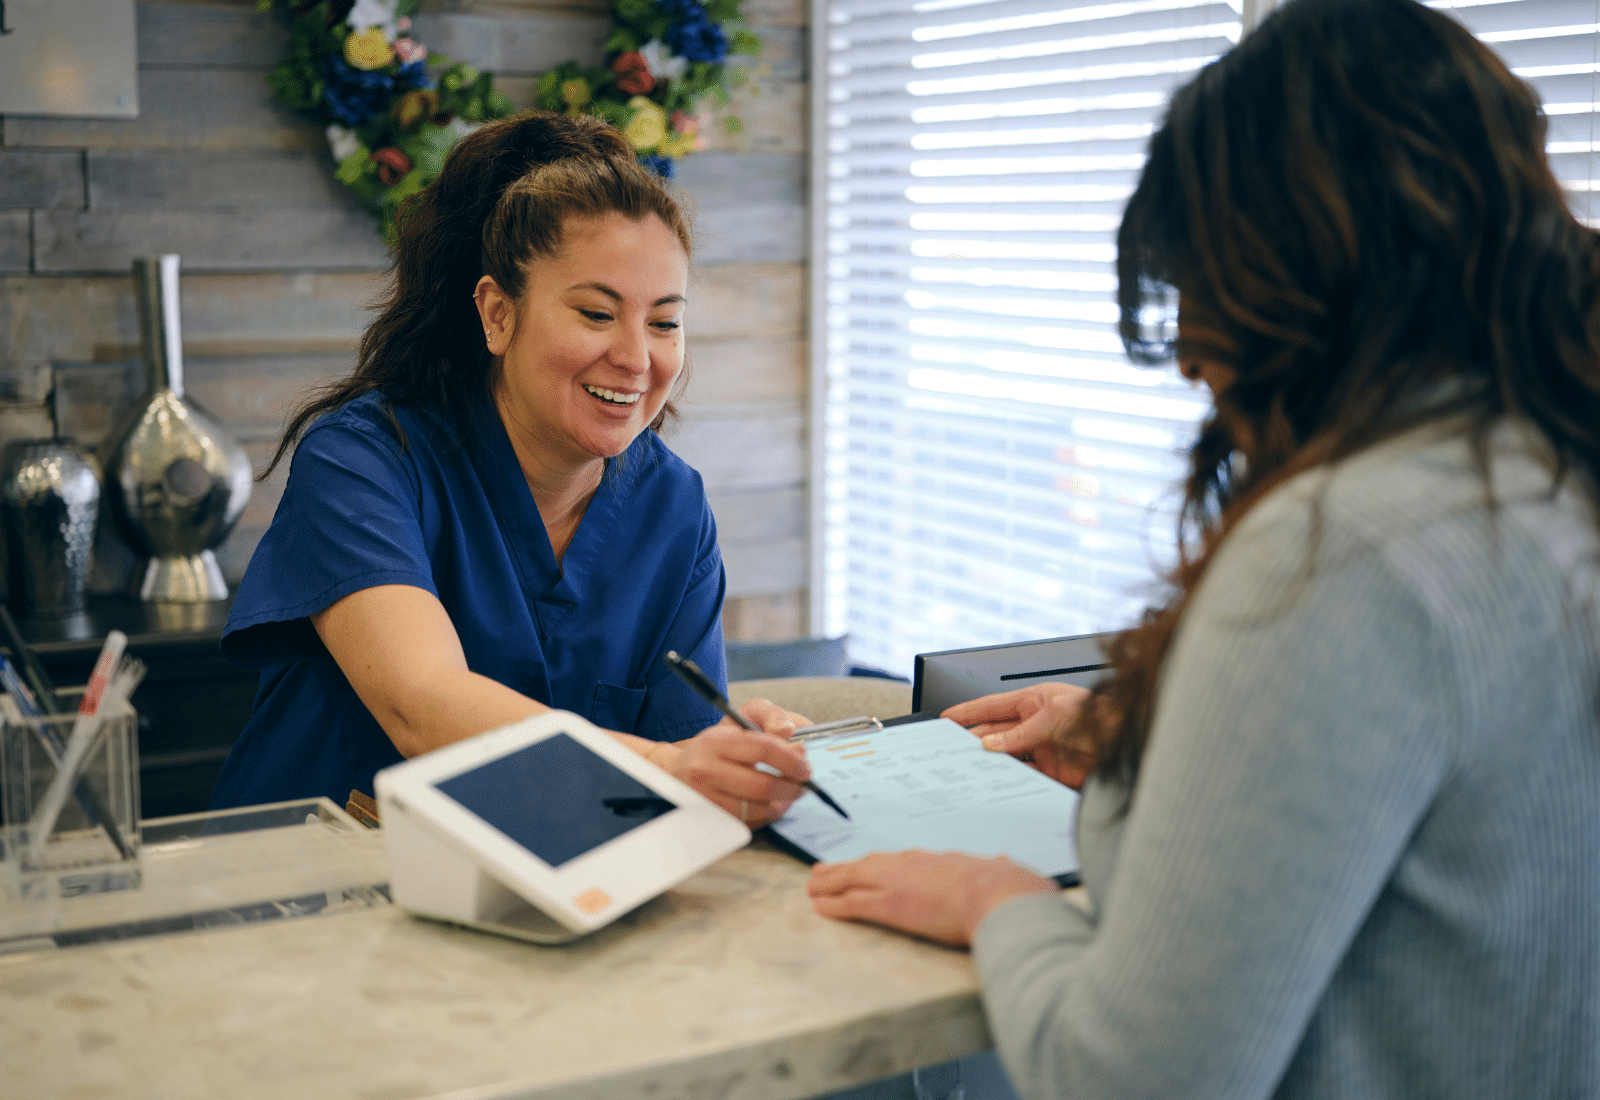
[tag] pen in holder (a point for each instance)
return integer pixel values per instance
(88, 841)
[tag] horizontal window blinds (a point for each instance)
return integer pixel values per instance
(1555, 46)
(994, 469)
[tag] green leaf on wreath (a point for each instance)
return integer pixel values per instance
(621, 40)
(351, 167)
(633, 12)
(408, 185)
(427, 148)
(613, 112)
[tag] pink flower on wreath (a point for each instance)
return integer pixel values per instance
(393, 164)
(404, 22)
(633, 74)
(685, 123)
(409, 50)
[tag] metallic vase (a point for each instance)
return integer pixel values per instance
(178, 479)
(49, 500)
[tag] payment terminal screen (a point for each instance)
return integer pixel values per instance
(556, 798)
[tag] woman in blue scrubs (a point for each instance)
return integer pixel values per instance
(481, 523)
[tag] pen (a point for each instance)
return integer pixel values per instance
(701, 684)
(859, 724)
(27, 663)
(112, 681)
(93, 808)
(34, 714)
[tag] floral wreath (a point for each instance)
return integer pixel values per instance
(666, 58)
(392, 109)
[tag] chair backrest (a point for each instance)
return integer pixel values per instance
(952, 676)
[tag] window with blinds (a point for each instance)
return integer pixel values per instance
(1555, 46)
(991, 468)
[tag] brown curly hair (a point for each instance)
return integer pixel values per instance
(1358, 195)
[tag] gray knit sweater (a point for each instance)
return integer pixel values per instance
(1363, 854)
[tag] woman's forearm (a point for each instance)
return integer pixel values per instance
(462, 704)
(452, 706)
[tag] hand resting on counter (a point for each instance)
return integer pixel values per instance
(940, 896)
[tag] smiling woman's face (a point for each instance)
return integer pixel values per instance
(591, 350)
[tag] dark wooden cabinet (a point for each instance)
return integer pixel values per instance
(192, 703)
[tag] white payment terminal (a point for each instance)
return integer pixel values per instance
(544, 830)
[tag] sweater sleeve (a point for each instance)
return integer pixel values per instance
(1303, 728)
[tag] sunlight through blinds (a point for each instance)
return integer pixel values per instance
(994, 469)
(1555, 46)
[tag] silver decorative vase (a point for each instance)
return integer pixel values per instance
(178, 479)
(49, 500)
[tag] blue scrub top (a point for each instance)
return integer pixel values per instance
(367, 506)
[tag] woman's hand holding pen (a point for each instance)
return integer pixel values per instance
(1029, 723)
(720, 763)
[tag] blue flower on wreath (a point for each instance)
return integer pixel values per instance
(355, 95)
(414, 75)
(697, 37)
(660, 165)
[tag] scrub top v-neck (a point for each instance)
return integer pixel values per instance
(641, 575)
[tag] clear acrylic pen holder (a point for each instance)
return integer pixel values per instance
(92, 847)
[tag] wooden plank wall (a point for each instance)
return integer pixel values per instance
(279, 263)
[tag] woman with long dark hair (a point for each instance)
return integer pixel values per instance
(1341, 827)
(481, 522)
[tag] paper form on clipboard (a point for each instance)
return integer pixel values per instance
(931, 785)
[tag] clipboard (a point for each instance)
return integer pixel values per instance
(928, 783)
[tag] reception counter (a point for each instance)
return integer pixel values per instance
(728, 987)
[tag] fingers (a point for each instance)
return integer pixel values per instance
(865, 890)
(917, 892)
(1002, 707)
(754, 776)
(751, 750)
(837, 878)
(1055, 712)
(941, 897)
(772, 718)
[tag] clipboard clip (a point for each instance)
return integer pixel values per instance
(839, 725)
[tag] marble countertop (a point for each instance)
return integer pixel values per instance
(728, 987)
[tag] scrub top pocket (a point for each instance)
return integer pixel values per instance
(616, 708)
